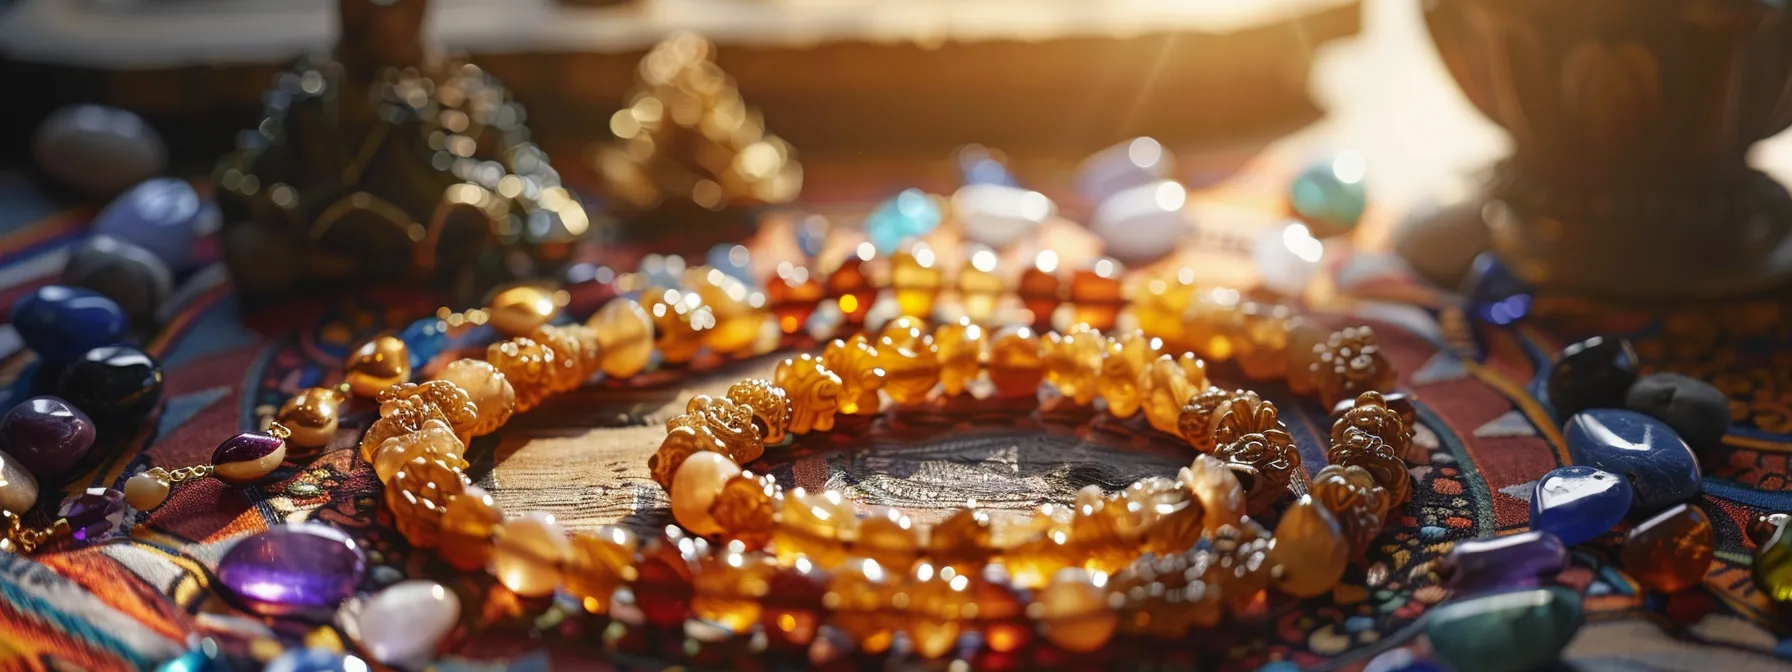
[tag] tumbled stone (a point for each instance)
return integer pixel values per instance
(116, 385)
(403, 624)
(1504, 632)
(1512, 561)
(62, 323)
(122, 271)
(1772, 569)
(46, 436)
(1696, 410)
(1579, 503)
(1659, 465)
(1594, 373)
(98, 150)
(298, 569)
(1671, 551)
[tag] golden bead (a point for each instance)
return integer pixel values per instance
(528, 366)
(1074, 612)
(1095, 294)
(144, 491)
(312, 416)
(434, 441)
(376, 364)
(771, 408)
(1167, 512)
(978, 285)
(467, 525)
(1264, 463)
(859, 594)
(855, 361)
(961, 354)
(1262, 351)
(600, 563)
(1040, 290)
(488, 389)
(625, 336)
(890, 538)
(1220, 493)
(437, 399)
(1033, 562)
(740, 311)
(569, 371)
(730, 422)
(911, 365)
(1169, 385)
(792, 294)
(747, 509)
(1195, 423)
(1016, 362)
(1362, 449)
(1304, 338)
(916, 279)
(938, 602)
(814, 525)
(1350, 363)
(1100, 532)
(728, 587)
(814, 393)
(519, 310)
(1355, 500)
(528, 552)
(1122, 380)
(1212, 324)
(417, 495)
(1370, 413)
(694, 489)
(1073, 362)
(1310, 551)
(1244, 413)
(680, 323)
(962, 541)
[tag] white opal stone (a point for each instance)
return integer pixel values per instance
(1143, 223)
(98, 150)
(1287, 256)
(403, 624)
(997, 215)
(18, 488)
(1136, 162)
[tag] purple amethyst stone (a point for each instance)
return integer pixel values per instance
(1520, 560)
(247, 457)
(47, 435)
(94, 513)
(303, 570)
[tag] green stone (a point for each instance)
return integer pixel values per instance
(1504, 632)
(1773, 566)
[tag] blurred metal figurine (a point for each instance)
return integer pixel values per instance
(688, 148)
(391, 164)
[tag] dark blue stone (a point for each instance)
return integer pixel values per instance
(1578, 503)
(1497, 563)
(116, 385)
(1662, 469)
(425, 339)
(60, 323)
(1594, 373)
(161, 215)
(1494, 293)
(315, 660)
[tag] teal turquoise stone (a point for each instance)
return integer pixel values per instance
(1578, 503)
(315, 660)
(910, 214)
(1504, 632)
(1661, 468)
(61, 323)
(1330, 193)
(197, 660)
(425, 339)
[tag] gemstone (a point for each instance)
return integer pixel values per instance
(1763, 525)
(1494, 293)
(1661, 468)
(1518, 560)
(1129, 164)
(998, 215)
(1773, 567)
(114, 385)
(1329, 193)
(62, 323)
(403, 624)
(47, 436)
(425, 339)
(93, 513)
(1696, 410)
(161, 215)
(1579, 503)
(978, 165)
(247, 457)
(909, 214)
(1594, 373)
(198, 660)
(528, 552)
(1504, 632)
(18, 489)
(302, 570)
(625, 336)
(1311, 552)
(132, 276)
(1074, 611)
(1144, 223)
(98, 150)
(1671, 551)
(1287, 258)
(315, 660)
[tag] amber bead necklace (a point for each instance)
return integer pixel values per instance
(1157, 558)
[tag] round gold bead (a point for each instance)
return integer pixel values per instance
(624, 336)
(378, 364)
(694, 488)
(312, 416)
(519, 310)
(147, 490)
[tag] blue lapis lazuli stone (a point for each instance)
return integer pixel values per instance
(160, 215)
(1495, 293)
(1578, 503)
(1330, 192)
(1661, 468)
(734, 260)
(911, 214)
(61, 323)
(425, 339)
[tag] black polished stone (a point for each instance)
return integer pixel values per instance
(115, 385)
(1594, 373)
(1694, 408)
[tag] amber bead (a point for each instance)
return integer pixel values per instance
(1212, 324)
(681, 322)
(569, 371)
(1244, 413)
(527, 365)
(859, 594)
(1262, 349)
(792, 295)
(378, 363)
(1016, 362)
(708, 424)
(1349, 363)
(433, 441)
(747, 509)
(1165, 595)
(891, 538)
(1041, 290)
(446, 402)
(850, 288)
(963, 541)
(1763, 526)
(738, 313)
(792, 610)
(1073, 362)
(527, 553)
(1074, 613)
(1100, 534)
(814, 525)
(1310, 551)
(1095, 294)
(1362, 449)
(728, 587)
(417, 495)
(1671, 551)
(1123, 367)
(312, 416)
(1240, 569)
(916, 279)
(961, 354)
(1304, 337)
(1356, 501)
(663, 581)
(1221, 495)
(1159, 306)
(600, 562)
(1371, 413)
(1170, 383)
(1168, 513)
(937, 604)
(813, 390)
(519, 310)
(1001, 611)
(1032, 563)
(695, 486)
(978, 285)
(771, 407)
(591, 350)
(855, 361)
(488, 389)
(1195, 423)
(466, 527)
(625, 336)
(1264, 463)
(911, 365)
